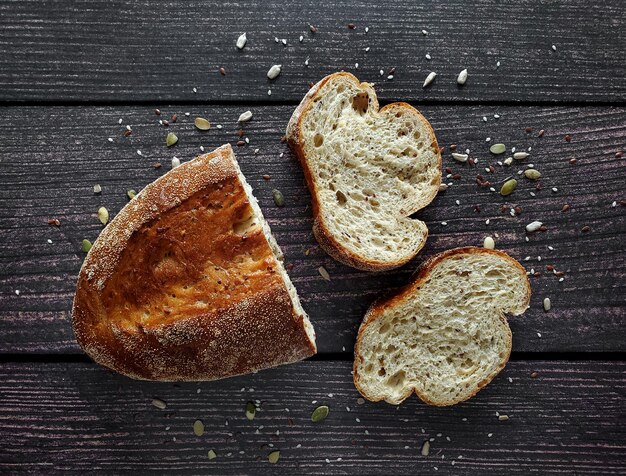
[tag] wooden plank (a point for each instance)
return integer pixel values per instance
(50, 158)
(64, 416)
(139, 50)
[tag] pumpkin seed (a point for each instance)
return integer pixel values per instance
(497, 149)
(279, 200)
(212, 454)
(245, 116)
(160, 404)
(250, 410)
(532, 174)
(131, 194)
(489, 243)
(460, 157)
(274, 71)
(319, 414)
(547, 305)
(202, 124)
(171, 139)
(86, 246)
(533, 226)
(520, 155)
(103, 215)
(198, 428)
(508, 187)
(273, 457)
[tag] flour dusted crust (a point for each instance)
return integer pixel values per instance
(399, 303)
(186, 282)
(333, 239)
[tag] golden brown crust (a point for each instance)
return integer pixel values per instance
(418, 278)
(183, 284)
(323, 235)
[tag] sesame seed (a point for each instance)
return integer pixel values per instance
(553, 47)
(428, 57)
(110, 139)
(138, 152)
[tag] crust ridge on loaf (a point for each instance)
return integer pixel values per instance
(187, 282)
(368, 170)
(444, 336)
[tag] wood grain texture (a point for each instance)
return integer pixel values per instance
(51, 157)
(138, 50)
(77, 417)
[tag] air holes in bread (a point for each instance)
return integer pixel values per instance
(318, 140)
(360, 103)
(341, 197)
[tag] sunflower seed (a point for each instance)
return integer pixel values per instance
(547, 305)
(319, 414)
(279, 199)
(85, 246)
(274, 71)
(508, 187)
(425, 448)
(532, 174)
(241, 41)
(533, 226)
(202, 124)
(460, 157)
(489, 243)
(520, 155)
(323, 273)
(171, 139)
(160, 404)
(245, 116)
(198, 428)
(497, 149)
(429, 79)
(273, 457)
(462, 77)
(103, 215)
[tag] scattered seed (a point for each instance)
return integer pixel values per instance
(351, 26)
(223, 73)
(619, 154)
(508, 187)
(565, 208)
(131, 194)
(175, 162)
(460, 157)
(245, 116)
(160, 404)
(198, 428)
(171, 139)
(212, 454)
(103, 215)
(425, 448)
(320, 414)
(313, 29)
(54, 221)
(520, 155)
(534, 374)
(462, 77)
(443, 187)
(273, 457)
(202, 124)
(508, 161)
(532, 174)
(86, 246)
(429, 79)
(241, 41)
(497, 149)
(533, 226)
(503, 417)
(274, 71)
(489, 243)
(279, 199)
(568, 138)
(323, 273)
(553, 47)
(585, 229)
(547, 305)
(250, 410)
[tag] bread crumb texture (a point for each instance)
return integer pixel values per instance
(184, 283)
(368, 170)
(444, 336)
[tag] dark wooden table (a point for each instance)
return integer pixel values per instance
(71, 71)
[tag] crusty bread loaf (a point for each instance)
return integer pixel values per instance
(186, 282)
(367, 169)
(444, 336)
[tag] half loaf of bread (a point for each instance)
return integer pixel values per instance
(444, 336)
(368, 170)
(187, 283)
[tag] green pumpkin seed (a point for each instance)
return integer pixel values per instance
(212, 454)
(131, 194)
(532, 174)
(250, 410)
(202, 124)
(273, 457)
(508, 187)
(198, 428)
(319, 414)
(103, 215)
(279, 200)
(171, 139)
(86, 246)
(497, 149)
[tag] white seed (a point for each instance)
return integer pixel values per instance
(97, 188)
(138, 152)
(428, 57)
(554, 189)
(444, 223)
(547, 305)
(356, 65)
(553, 47)
(367, 28)
(306, 62)
(269, 92)
(301, 38)
(110, 139)
(390, 77)
(489, 243)
(533, 226)
(496, 116)
(175, 162)
(429, 79)
(460, 157)
(284, 42)
(424, 32)
(462, 77)
(367, 49)
(245, 116)
(498, 64)
(195, 90)
(120, 121)
(274, 71)
(241, 41)
(276, 40)
(508, 161)
(520, 155)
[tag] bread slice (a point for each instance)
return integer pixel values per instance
(444, 336)
(367, 170)
(187, 283)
